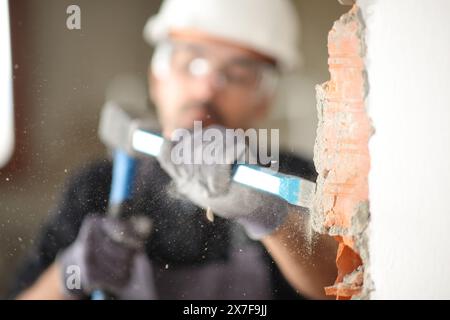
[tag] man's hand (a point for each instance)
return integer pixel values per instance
(109, 253)
(210, 185)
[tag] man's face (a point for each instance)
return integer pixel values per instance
(210, 81)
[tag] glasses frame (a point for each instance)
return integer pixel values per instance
(162, 67)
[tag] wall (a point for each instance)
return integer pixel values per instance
(382, 150)
(408, 64)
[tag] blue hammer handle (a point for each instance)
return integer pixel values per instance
(124, 167)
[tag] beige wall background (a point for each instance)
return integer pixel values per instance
(61, 77)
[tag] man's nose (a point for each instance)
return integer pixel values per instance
(206, 86)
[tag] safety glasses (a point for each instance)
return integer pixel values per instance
(239, 75)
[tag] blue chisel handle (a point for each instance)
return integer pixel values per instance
(294, 190)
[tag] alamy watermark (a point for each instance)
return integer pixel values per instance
(73, 21)
(73, 277)
(217, 145)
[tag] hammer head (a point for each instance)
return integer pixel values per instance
(117, 126)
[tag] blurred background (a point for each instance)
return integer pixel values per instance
(61, 77)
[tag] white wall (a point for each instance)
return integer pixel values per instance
(408, 63)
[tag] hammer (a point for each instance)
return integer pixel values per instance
(114, 124)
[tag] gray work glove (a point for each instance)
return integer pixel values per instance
(211, 185)
(109, 254)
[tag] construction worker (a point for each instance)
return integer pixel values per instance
(216, 62)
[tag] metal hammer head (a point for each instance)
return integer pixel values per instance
(117, 127)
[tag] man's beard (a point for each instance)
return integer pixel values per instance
(210, 117)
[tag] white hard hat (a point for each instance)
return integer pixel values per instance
(270, 27)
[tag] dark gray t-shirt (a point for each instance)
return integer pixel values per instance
(192, 258)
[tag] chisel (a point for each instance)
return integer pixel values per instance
(132, 135)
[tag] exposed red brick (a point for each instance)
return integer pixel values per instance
(341, 151)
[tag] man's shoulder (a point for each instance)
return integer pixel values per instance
(94, 168)
(91, 174)
(88, 187)
(100, 171)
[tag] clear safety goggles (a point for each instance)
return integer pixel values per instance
(246, 76)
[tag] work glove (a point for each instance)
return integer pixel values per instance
(109, 254)
(210, 185)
